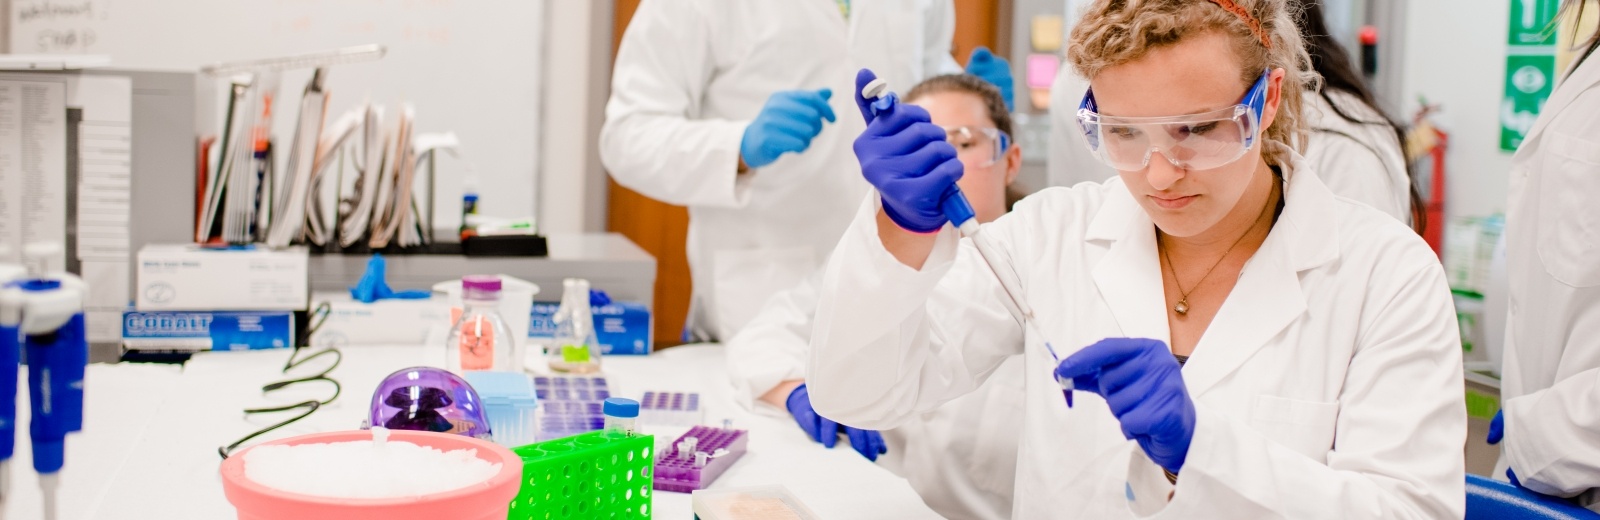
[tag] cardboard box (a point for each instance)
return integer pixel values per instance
(187, 277)
(383, 322)
(622, 328)
(206, 330)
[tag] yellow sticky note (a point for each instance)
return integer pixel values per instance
(1046, 33)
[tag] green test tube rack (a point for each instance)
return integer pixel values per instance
(600, 475)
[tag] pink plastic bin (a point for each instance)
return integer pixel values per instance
(490, 500)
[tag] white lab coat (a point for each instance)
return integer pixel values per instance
(1328, 386)
(961, 457)
(1551, 379)
(1361, 161)
(690, 76)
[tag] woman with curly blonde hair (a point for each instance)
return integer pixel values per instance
(1240, 342)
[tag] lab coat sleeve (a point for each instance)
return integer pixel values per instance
(891, 342)
(654, 140)
(1399, 432)
(1354, 171)
(939, 33)
(772, 348)
(1549, 438)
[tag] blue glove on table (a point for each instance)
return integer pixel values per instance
(868, 443)
(993, 69)
(1143, 384)
(1497, 432)
(905, 156)
(374, 284)
(786, 124)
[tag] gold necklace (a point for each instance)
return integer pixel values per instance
(1182, 307)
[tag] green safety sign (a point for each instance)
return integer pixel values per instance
(1529, 80)
(1530, 22)
(1530, 68)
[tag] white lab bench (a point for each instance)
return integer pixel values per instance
(151, 432)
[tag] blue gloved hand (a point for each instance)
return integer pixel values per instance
(868, 443)
(993, 69)
(786, 124)
(1143, 384)
(1497, 432)
(905, 156)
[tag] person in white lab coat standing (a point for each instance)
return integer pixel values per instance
(1549, 423)
(1355, 146)
(727, 107)
(1243, 343)
(961, 457)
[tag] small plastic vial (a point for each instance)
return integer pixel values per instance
(481, 340)
(622, 415)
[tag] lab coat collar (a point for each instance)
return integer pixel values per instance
(1576, 80)
(1266, 299)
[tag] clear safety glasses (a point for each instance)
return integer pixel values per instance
(1192, 142)
(985, 145)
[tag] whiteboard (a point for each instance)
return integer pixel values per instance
(472, 67)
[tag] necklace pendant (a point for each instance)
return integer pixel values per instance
(1182, 308)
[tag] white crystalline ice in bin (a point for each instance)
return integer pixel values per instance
(362, 469)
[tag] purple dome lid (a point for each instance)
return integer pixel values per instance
(428, 399)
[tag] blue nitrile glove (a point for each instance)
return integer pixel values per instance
(1143, 384)
(374, 286)
(905, 156)
(1497, 427)
(868, 443)
(993, 69)
(786, 124)
(1497, 432)
(599, 298)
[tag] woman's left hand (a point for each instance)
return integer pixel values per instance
(1141, 381)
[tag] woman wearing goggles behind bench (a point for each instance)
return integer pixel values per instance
(1270, 350)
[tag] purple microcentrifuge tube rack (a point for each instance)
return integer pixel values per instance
(671, 409)
(571, 405)
(691, 465)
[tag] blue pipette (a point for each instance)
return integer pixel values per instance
(956, 208)
(42, 314)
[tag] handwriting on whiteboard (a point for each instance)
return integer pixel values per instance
(57, 26)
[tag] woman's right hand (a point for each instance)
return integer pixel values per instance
(905, 156)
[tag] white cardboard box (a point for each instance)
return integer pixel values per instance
(191, 278)
(383, 322)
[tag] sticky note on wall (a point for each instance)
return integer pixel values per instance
(1046, 33)
(1042, 70)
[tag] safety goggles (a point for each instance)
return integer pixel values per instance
(986, 145)
(1191, 142)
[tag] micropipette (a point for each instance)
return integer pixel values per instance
(42, 313)
(956, 208)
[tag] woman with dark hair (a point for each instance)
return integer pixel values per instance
(1352, 143)
(1550, 408)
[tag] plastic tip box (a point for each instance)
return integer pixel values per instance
(571, 405)
(671, 409)
(697, 458)
(511, 405)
